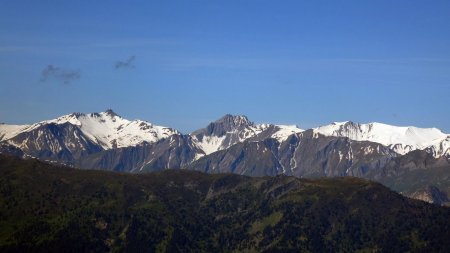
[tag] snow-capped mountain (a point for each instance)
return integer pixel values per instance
(234, 144)
(233, 129)
(400, 139)
(106, 129)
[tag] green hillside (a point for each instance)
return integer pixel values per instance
(44, 208)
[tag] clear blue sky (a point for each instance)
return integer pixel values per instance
(288, 62)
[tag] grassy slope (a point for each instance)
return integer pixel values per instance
(45, 208)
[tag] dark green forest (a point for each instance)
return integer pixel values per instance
(47, 208)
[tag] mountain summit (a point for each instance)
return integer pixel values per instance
(232, 129)
(106, 129)
(224, 125)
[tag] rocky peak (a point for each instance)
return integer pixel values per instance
(111, 113)
(227, 124)
(75, 114)
(234, 121)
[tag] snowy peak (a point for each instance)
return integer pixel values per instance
(111, 113)
(400, 139)
(107, 129)
(231, 129)
(112, 131)
(224, 132)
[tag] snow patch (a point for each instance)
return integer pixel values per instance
(210, 144)
(284, 131)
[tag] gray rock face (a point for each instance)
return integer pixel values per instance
(120, 159)
(227, 123)
(430, 194)
(248, 158)
(174, 152)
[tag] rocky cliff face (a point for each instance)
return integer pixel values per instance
(430, 194)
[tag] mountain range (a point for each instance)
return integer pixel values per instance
(414, 161)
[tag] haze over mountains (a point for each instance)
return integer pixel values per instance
(234, 144)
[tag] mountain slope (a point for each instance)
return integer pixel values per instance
(310, 155)
(64, 142)
(52, 209)
(305, 154)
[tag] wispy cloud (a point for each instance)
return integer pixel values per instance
(63, 75)
(128, 63)
(188, 63)
(384, 60)
(133, 42)
(14, 49)
(185, 63)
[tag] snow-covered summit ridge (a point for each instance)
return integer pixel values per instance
(400, 139)
(231, 129)
(108, 129)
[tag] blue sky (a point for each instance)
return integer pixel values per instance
(288, 62)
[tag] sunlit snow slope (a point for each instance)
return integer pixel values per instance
(107, 129)
(400, 139)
